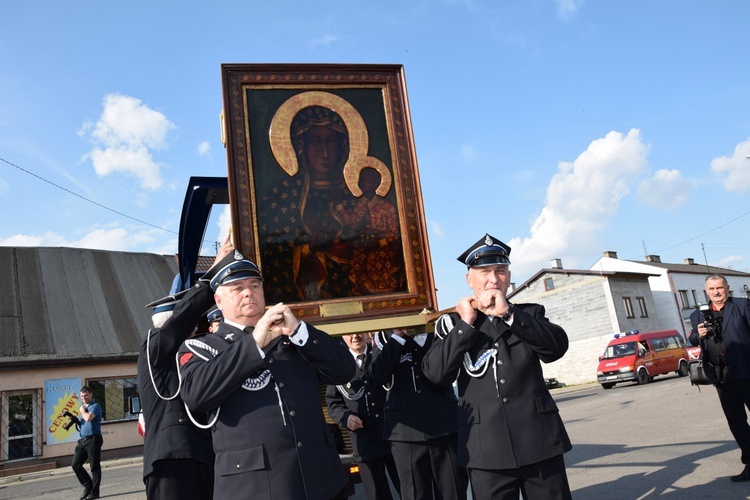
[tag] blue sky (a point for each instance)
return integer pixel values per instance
(564, 127)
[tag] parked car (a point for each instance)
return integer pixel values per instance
(639, 357)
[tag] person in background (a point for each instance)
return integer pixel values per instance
(358, 407)
(420, 419)
(177, 455)
(214, 319)
(723, 332)
(89, 447)
(493, 350)
(258, 376)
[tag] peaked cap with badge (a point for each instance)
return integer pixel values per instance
(488, 251)
(215, 314)
(234, 267)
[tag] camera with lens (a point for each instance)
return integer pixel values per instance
(72, 420)
(712, 322)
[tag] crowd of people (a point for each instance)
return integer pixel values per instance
(230, 392)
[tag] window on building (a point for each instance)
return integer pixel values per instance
(684, 299)
(112, 395)
(642, 306)
(549, 284)
(20, 414)
(695, 297)
(628, 307)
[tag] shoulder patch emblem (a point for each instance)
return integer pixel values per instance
(185, 358)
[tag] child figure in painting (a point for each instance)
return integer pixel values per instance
(378, 262)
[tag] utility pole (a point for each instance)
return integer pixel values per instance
(703, 248)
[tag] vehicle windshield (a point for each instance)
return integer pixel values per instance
(620, 350)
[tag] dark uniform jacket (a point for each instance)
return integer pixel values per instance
(169, 432)
(507, 417)
(416, 409)
(270, 437)
(735, 336)
(363, 398)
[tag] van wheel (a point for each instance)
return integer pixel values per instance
(608, 386)
(643, 377)
(683, 370)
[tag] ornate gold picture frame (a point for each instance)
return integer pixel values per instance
(325, 192)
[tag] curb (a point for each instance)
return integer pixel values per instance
(106, 464)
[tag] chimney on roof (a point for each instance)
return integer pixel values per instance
(511, 287)
(610, 254)
(689, 261)
(556, 263)
(653, 258)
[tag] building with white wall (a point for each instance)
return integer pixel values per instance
(591, 306)
(677, 288)
(615, 296)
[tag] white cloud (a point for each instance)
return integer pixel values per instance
(4, 188)
(114, 239)
(124, 136)
(436, 229)
(666, 189)
(735, 170)
(323, 40)
(568, 8)
(204, 148)
(48, 239)
(469, 153)
(729, 261)
(97, 238)
(581, 198)
(136, 160)
(224, 223)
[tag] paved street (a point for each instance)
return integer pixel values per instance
(661, 440)
(665, 439)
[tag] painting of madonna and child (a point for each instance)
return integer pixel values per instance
(335, 210)
(319, 240)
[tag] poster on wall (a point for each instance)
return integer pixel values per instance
(61, 396)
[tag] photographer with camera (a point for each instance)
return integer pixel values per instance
(722, 329)
(90, 445)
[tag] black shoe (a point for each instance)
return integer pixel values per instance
(86, 494)
(742, 476)
(92, 496)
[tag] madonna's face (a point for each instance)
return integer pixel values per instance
(323, 151)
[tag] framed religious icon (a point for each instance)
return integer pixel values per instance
(324, 189)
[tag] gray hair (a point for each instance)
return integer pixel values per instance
(718, 277)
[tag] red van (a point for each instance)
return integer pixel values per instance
(634, 356)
